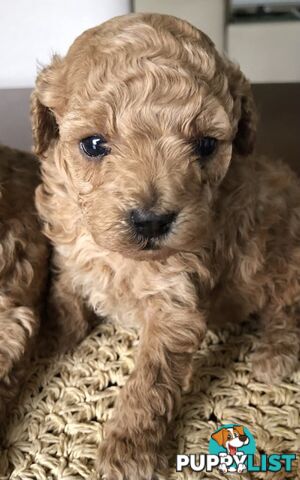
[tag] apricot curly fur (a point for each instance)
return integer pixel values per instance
(151, 85)
(23, 270)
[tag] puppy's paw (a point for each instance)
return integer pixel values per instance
(270, 368)
(223, 468)
(118, 459)
(241, 468)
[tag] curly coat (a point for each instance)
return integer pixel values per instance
(23, 269)
(151, 85)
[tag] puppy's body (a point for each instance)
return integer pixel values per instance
(23, 268)
(258, 202)
(151, 86)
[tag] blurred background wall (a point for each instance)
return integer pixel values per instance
(31, 30)
(263, 36)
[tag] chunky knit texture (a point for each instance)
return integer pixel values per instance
(56, 428)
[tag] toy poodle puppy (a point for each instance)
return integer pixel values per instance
(160, 214)
(23, 269)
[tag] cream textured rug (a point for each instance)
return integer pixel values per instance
(54, 431)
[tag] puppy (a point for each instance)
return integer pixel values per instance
(160, 214)
(23, 269)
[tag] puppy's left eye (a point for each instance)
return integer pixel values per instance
(205, 146)
(94, 146)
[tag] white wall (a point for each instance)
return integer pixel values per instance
(268, 52)
(32, 30)
(207, 15)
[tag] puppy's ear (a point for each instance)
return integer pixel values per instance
(219, 437)
(239, 429)
(47, 104)
(241, 92)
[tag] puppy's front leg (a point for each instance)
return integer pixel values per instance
(151, 397)
(18, 328)
(276, 355)
(67, 309)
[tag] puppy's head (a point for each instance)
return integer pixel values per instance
(145, 117)
(231, 438)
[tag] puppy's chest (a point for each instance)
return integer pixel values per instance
(116, 288)
(111, 292)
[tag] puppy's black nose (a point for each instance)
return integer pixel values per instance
(243, 438)
(151, 225)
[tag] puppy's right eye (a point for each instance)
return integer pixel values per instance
(205, 147)
(94, 146)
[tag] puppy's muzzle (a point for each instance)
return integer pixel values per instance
(148, 225)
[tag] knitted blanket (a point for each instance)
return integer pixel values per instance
(55, 428)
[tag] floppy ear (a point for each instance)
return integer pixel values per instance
(47, 102)
(241, 92)
(239, 429)
(219, 437)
